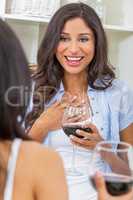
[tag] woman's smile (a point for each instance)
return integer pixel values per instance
(74, 61)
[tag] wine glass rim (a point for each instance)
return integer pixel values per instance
(81, 123)
(127, 146)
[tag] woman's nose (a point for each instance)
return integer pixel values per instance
(74, 48)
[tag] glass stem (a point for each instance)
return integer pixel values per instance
(73, 158)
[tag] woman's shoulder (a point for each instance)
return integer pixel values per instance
(33, 168)
(35, 152)
(119, 93)
(118, 86)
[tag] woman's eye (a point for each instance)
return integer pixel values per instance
(84, 39)
(64, 39)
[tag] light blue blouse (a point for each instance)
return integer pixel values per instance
(112, 108)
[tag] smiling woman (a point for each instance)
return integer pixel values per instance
(76, 47)
(73, 62)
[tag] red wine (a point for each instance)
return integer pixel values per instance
(71, 130)
(116, 185)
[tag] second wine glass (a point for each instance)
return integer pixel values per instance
(115, 161)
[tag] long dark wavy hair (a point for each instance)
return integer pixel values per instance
(14, 79)
(15, 84)
(50, 72)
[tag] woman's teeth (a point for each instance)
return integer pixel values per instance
(74, 58)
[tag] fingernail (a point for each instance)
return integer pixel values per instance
(73, 98)
(71, 136)
(77, 131)
(98, 174)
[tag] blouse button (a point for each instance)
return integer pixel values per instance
(97, 112)
(102, 128)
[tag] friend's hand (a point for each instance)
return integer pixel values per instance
(89, 140)
(104, 195)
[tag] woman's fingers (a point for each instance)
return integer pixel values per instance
(68, 98)
(88, 140)
(74, 119)
(92, 126)
(101, 187)
(88, 135)
(82, 143)
(63, 105)
(58, 104)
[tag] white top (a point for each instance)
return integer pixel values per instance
(11, 169)
(113, 112)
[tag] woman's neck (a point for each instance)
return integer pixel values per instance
(75, 84)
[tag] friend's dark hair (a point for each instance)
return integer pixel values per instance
(50, 72)
(14, 80)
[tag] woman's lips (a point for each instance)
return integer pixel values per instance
(73, 61)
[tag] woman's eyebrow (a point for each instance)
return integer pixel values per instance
(89, 34)
(64, 33)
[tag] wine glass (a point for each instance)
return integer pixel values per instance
(115, 161)
(77, 114)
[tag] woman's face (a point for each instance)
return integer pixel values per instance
(76, 47)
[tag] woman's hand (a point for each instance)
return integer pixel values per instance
(52, 117)
(89, 140)
(104, 195)
(49, 120)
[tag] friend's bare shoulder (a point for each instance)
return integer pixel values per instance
(39, 153)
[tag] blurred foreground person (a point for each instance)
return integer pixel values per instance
(28, 171)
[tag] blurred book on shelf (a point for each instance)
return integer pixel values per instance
(35, 8)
